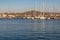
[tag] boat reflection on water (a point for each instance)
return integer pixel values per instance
(29, 29)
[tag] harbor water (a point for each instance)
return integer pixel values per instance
(29, 29)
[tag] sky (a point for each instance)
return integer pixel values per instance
(27, 5)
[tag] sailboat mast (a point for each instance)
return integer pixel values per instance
(43, 9)
(35, 2)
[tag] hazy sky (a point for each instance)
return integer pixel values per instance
(26, 5)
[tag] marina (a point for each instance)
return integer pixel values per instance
(31, 15)
(29, 19)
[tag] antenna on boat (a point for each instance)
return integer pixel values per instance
(9, 10)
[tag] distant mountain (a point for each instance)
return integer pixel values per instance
(32, 13)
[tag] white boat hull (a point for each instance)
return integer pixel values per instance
(42, 17)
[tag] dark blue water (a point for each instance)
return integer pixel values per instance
(28, 29)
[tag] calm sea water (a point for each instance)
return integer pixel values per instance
(28, 29)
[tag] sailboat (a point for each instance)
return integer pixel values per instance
(42, 17)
